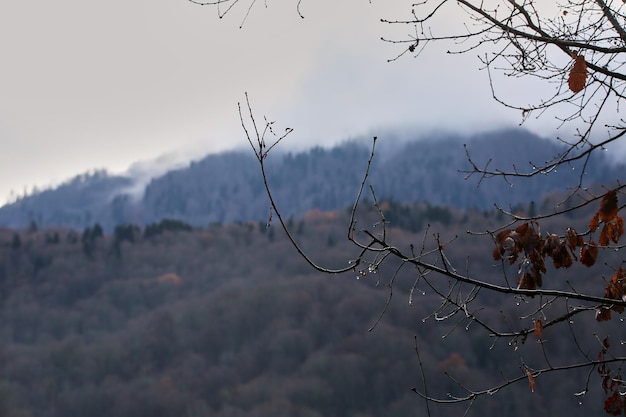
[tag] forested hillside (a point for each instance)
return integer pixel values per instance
(169, 320)
(227, 187)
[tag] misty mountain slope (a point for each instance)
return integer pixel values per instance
(82, 200)
(431, 170)
(219, 188)
(227, 187)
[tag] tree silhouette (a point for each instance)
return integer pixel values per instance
(577, 51)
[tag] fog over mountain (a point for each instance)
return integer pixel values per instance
(227, 187)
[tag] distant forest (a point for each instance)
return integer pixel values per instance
(226, 187)
(169, 319)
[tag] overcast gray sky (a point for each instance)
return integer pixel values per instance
(101, 84)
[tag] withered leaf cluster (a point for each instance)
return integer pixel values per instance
(526, 241)
(526, 245)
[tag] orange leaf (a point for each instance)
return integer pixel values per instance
(578, 75)
(594, 223)
(555, 248)
(617, 288)
(529, 239)
(603, 239)
(538, 328)
(503, 234)
(612, 231)
(500, 249)
(531, 380)
(608, 206)
(573, 239)
(563, 259)
(552, 244)
(616, 228)
(589, 253)
(506, 243)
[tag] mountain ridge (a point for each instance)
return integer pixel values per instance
(227, 186)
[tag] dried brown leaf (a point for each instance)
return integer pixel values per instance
(577, 75)
(616, 229)
(538, 328)
(594, 223)
(617, 288)
(603, 239)
(614, 404)
(608, 206)
(612, 231)
(531, 380)
(603, 314)
(573, 238)
(555, 248)
(499, 250)
(528, 239)
(589, 253)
